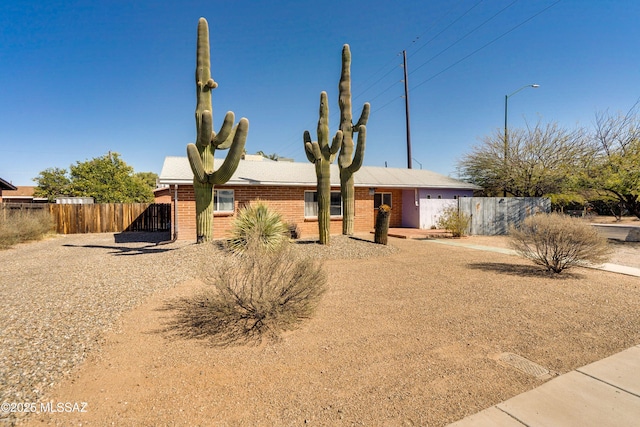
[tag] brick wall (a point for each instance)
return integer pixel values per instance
(396, 207)
(288, 201)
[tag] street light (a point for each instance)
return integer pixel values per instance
(506, 141)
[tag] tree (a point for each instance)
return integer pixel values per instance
(539, 161)
(615, 169)
(149, 178)
(273, 156)
(51, 183)
(108, 179)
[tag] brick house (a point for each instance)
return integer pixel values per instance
(22, 194)
(290, 189)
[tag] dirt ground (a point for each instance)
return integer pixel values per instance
(406, 339)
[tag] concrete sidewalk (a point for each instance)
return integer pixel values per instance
(605, 393)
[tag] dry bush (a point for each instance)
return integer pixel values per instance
(251, 297)
(558, 241)
(454, 221)
(23, 226)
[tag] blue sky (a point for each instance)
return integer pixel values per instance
(81, 78)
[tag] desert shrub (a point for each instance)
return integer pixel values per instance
(557, 242)
(23, 226)
(256, 222)
(252, 296)
(454, 221)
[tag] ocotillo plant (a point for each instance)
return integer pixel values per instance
(348, 164)
(322, 155)
(207, 141)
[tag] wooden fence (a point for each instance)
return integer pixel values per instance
(103, 217)
(495, 215)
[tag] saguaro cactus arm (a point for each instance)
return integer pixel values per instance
(230, 164)
(358, 157)
(321, 149)
(364, 117)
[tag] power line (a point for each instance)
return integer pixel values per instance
(289, 146)
(485, 45)
(465, 36)
(447, 27)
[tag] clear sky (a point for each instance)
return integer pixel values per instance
(79, 78)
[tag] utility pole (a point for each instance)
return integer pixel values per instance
(406, 107)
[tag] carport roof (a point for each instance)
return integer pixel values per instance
(176, 170)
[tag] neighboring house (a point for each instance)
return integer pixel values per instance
(4, 187)
(290, 189)
(22, 194)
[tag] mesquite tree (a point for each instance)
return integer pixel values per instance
(322, 155)
(347, 161)
(207, 141)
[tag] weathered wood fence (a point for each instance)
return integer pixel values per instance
(495, 215)
(104, 217)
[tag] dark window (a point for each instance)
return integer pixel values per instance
(382, 199)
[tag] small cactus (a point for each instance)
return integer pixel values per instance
(347, 161)
(382, 224)
(322, 155)
(201, 153)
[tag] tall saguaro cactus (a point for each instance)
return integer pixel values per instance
(201, 153)
(347, 161)
(322, 155)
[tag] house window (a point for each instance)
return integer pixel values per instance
(223, 200)
(381, 199)
(311, 204)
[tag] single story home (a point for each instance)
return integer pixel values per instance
(22, 194)
(290, 189)
(5, 186)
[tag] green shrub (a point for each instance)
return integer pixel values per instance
(23, 226)
(252, 296)
(454, 221)
(557, 242)
(257, 224)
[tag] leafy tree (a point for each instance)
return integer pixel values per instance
(51, 183)
(150, 178)
(538, 161)
(108, 179)
(615, 169)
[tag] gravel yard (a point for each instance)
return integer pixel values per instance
(60, 295)
(405, 335)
